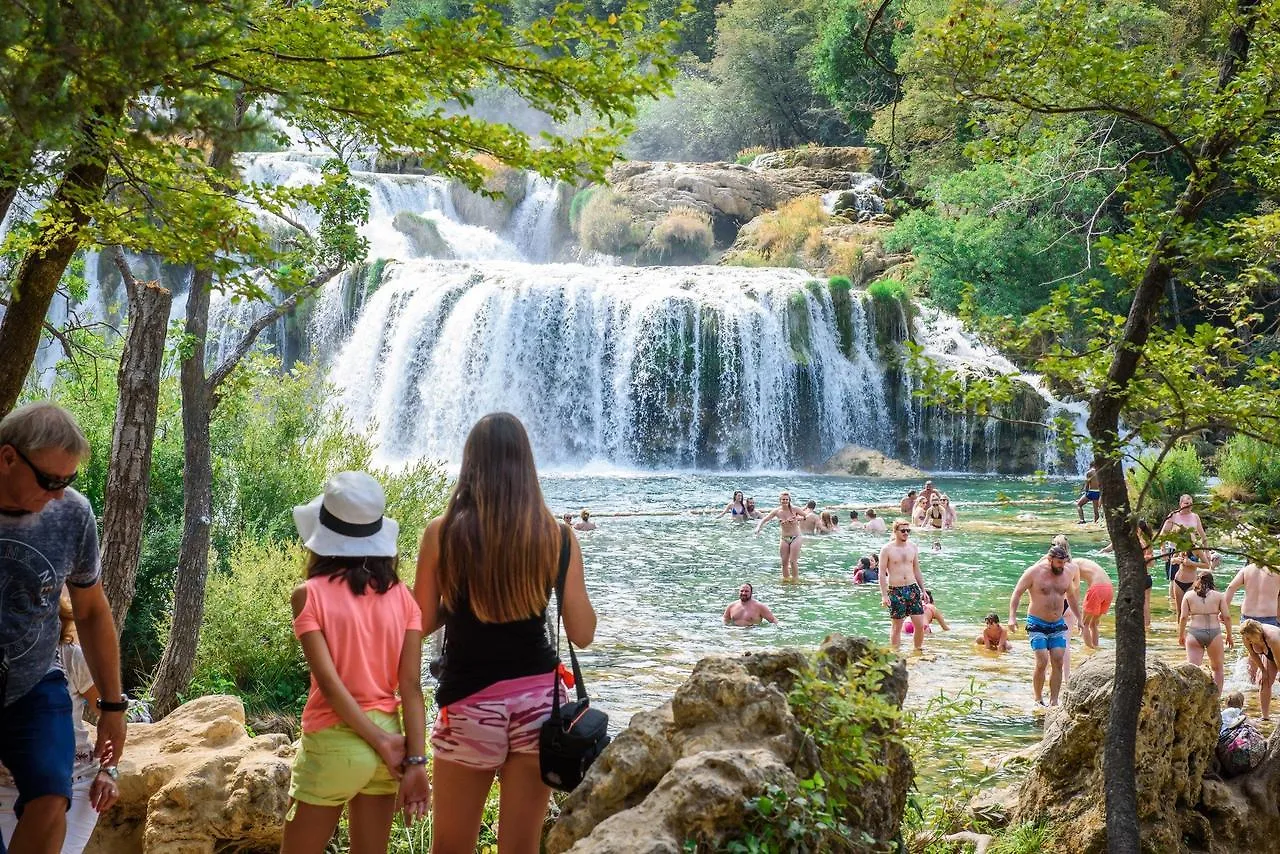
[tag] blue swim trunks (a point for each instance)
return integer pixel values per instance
(1266, 621)
(1093, 494)
(1045, 635)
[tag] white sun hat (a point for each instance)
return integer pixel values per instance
(347, 520)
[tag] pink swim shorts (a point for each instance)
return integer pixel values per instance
(480, 730)
(1097, 599)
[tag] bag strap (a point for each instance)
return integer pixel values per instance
(573, 657)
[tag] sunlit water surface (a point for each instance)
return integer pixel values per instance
(661, 569)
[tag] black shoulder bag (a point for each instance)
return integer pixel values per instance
(575, 734)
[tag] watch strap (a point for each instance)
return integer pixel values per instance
(108, 706)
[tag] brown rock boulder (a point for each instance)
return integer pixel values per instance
(685, 770)
(857, 461)
(1177, 734)
(196, 782)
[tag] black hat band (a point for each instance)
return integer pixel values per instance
(348, 529)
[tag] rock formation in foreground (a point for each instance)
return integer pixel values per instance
(1183, 805)
(684, 771)
(196, 782)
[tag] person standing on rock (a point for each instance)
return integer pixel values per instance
(486, 570)
(902, 585)
(48, 537)
(361, 633)
(748, 611)
(1262, 644)
(789, 549)
(1049, 583)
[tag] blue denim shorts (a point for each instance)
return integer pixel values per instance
(37, 742)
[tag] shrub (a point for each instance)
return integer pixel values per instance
(682, 236)
(747, 155)
(1180, 472)
(1249, 469)
(605, 225)
(887, 289)
(783, 232)
(247, 647)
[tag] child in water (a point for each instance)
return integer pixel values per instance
(995, 636)
(931, 613)
(361, 633)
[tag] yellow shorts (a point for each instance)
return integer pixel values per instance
(334, 765)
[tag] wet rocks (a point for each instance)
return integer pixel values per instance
(858, 461)
(196, 782)
(684, 771)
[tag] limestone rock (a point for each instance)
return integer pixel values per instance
(1177, 733)
(195, 782)
(1243, 813)
(864, 462)
(685, 770)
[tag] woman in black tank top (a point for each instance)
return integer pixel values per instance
(486, 573)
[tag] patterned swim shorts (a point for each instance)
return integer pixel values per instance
(480, 730)
(1046, 635)
(905, 602)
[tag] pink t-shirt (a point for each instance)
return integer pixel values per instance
(365, 635)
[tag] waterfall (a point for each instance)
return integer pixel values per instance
(649, 367)
(535, 220)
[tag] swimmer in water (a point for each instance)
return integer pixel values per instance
(810, 522)
(737, 506)
(586, 524)
(994, 637)
(789, 549)
(747, 611)
(931, 613)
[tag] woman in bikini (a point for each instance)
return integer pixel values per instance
(1188, 565)
(1262, 643)
(737, 507)
(789, 550)
(1198, 627)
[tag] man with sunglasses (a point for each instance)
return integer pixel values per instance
(48, 538)
(902, 585)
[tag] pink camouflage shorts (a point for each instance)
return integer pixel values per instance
(480, 730)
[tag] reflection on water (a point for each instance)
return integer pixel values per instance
(661, 569)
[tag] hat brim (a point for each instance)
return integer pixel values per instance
(329, 543)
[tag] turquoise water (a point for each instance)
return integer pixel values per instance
(661, 569)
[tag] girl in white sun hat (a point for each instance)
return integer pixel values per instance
(361, 632)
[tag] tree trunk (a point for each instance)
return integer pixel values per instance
(129, 474)
(174, 671)
(37, 277)
(1121, 793)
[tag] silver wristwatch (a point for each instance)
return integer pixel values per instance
(111, 771)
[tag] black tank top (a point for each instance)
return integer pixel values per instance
(476, 654)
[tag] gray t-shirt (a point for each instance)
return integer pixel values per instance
(39, 552)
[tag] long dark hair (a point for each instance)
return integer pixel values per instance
(499, 545)
(360, 573)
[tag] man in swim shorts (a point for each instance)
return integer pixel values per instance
(1049, 583)
(747, 611)
(1092, 495)
(1261, 595)
(902, 585)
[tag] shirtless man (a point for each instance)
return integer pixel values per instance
(586, 524)
(908, 503)
(854, 522)
(1098, 595)
(874, 523)
(568, 519)
(1092, 495)
(1261, 597)
(1049, 583)
(809, 523)
(747, 611)
(929, 492)
(902, 585)
(789, 550)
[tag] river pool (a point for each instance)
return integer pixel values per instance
(661, 569)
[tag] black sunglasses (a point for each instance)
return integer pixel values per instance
(46, 481)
